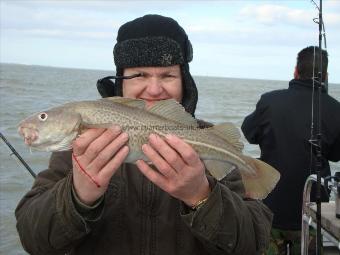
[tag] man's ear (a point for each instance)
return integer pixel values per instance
(296, 74)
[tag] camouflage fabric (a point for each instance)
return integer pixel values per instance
(284, 242)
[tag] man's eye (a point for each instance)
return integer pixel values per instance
(143, 75)
(170, 76)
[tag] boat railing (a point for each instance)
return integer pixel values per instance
(309, 221)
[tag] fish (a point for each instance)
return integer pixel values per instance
(219, 146)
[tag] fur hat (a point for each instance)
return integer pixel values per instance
(154, 40)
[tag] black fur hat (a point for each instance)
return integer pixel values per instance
(153, 40)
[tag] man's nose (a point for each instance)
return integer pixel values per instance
(154, 87)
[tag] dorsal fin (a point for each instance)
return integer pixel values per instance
(138, 103)
(229, 132)
(174, 111)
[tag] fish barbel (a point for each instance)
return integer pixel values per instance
(218, 147)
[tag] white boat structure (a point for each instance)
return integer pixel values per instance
(330, 224)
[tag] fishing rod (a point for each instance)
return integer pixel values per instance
(29, 169)
(316, 140)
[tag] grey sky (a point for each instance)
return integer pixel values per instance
(245, 39)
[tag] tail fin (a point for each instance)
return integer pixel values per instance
(258, 186)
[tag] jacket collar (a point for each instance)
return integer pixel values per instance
(303, 84)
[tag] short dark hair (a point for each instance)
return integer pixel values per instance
(306, 59)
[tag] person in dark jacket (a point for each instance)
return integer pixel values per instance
(281, 125)
(173, 207)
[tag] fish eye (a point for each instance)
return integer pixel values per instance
(43, 116)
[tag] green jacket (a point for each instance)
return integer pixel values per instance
(136, 217)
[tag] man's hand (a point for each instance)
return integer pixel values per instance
(180, 173)
(99, 152)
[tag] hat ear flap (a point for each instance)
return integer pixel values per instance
(190, 93)
(105, 87)
(108, 88)
(189, 51)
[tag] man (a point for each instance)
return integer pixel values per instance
(172, 207)
(281, 125)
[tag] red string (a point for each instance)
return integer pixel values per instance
(83, 170)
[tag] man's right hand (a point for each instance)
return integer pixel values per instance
(99, 152)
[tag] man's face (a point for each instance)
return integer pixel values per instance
(156, 83)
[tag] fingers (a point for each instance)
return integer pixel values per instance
(109, 169)
(163, 167)
(83, 141)
(170, 156)
(151, 174)
(100, 153)
(93, 141)
(106, 154)
(180, 173)
(188, 154)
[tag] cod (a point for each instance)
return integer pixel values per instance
(219, 147)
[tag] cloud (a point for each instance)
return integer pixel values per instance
(32, 16)
(246, 30)
(64, 34)
(333, 20)
(76, 19)
(269, 14)
(333, 5)
(273, 14)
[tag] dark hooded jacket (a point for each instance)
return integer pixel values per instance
(281, 125)
(135, 216)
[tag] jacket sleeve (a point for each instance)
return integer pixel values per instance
(228, 223)
(251, 126)
(47, 220)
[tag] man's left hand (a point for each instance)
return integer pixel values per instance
(181, 173)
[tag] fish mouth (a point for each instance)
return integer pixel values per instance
(31, 139)
(29, 134)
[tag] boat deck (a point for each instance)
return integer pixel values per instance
(328, 220)
(329, 223)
